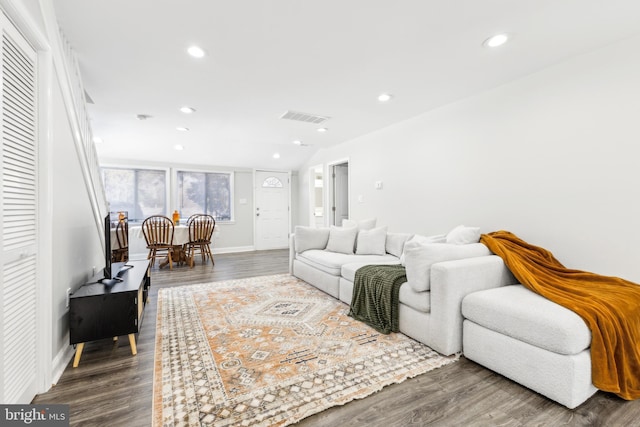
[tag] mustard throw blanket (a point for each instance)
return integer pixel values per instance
(610, 306)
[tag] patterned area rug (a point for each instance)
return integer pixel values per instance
(269, 351)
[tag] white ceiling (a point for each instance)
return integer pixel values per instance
(330, 58)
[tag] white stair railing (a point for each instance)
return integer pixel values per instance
(73, 94)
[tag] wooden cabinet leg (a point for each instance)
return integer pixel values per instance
(76, 359)
(132, 342)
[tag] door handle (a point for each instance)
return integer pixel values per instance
(258, 214)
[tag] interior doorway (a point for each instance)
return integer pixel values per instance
(271, 210)
(316, 199)
(339, 195)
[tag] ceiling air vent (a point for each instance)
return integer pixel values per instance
(303, 117)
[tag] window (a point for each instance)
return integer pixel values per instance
(140, 192)
(202, 192)
(272, 182)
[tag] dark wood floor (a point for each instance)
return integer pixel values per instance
(113, 388)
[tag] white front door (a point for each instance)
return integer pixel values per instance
(272, 210)
(18, 219)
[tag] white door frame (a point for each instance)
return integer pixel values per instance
(253, 207)
(329, 193)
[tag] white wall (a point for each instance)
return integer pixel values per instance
(240, 233)
(230, 237)
(237, 235)
(551, 157)
(76, 241)
(295, 191)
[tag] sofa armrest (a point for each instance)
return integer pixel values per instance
(292, 251)
(451, 281)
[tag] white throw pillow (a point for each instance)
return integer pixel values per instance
(310, 238)
(364, 224)
(462, 235)
(437, 238)
(372, 242)
(342, 239)
(420, 257)
(395, 243)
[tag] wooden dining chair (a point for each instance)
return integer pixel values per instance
(121, 254)
(201, 228)
(192, 217)
(158, 233)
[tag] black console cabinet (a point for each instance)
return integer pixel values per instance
(98, 311)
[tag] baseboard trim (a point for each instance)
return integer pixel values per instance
(60, 362)
(233, 249)
(227, 250)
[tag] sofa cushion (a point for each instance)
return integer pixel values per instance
(372, 242)
(524, 315)
(332, 262)
(438, 238)
(341, 239)
(462, 235)
(420, 257)
(420, 301)
(348, 270)
(395, 243)
(310, 238)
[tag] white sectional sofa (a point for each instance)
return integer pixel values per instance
(461, 298)
(439, 275)
(531, 340)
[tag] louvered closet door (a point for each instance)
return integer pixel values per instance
(18, 218)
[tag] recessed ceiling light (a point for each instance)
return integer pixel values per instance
(297, 142)
(384, 97)
(196, 51)
(187, 110)
(97, 140)
(322, 130)
(497, 40)
(182, 129)
(178, 147)
(276, 155)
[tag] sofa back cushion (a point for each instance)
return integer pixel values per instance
(419, 257)
(310, 238)
(395, 243)
(438, 238)
(342, 239)
(462, 235)
(372, 242)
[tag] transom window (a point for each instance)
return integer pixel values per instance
(272, 182)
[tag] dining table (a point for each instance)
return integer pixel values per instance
(180, 237)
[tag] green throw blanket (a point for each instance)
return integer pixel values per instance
(375, 296)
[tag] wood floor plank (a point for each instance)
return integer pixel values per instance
(112, 388)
